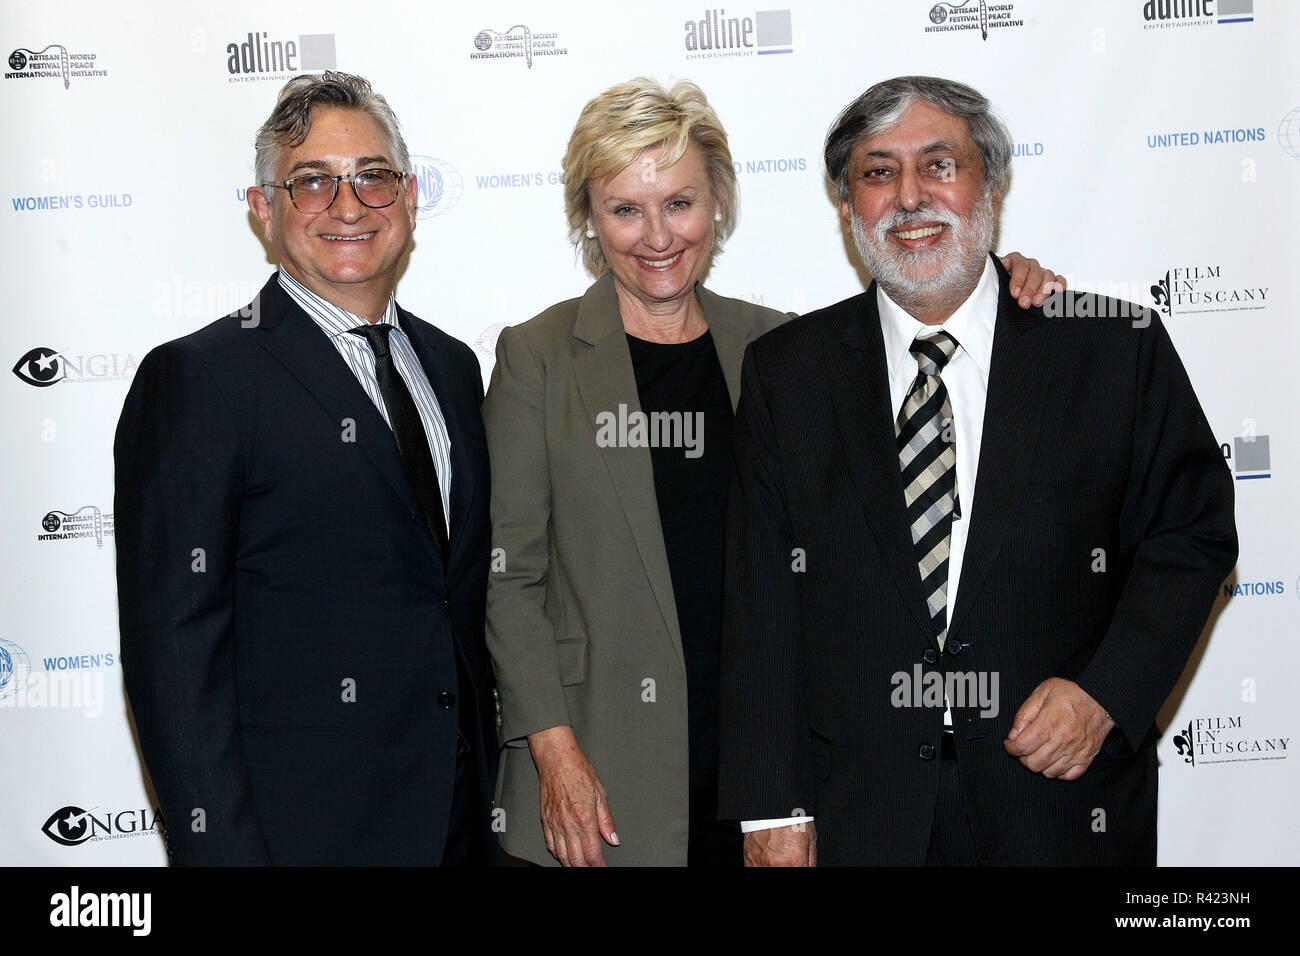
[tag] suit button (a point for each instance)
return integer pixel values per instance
(925, 751)
(446, 700)
(929, 656)
(953, 647)
(446, 602)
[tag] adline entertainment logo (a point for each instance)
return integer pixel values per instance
(440, 186)
(263, 57)
(717, 34)
(1248, 457)
(1168, 14)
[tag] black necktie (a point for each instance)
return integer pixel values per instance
(412, 442)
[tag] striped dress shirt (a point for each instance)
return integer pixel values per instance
(336, 323)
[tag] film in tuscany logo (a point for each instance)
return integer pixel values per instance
(55, 62)
(1198, 289)
(43, 366)
(519, 41)
(1223, 738)
(263, 56)
(973, 15)
(719, 35)
(86, 522)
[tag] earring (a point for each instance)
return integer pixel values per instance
(591, 233)
(717, 217)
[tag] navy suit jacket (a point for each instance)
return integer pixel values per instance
(290, 634)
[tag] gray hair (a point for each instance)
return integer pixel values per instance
(883, 106)
(290, 121)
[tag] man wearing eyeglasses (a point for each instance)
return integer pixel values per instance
(302, 534)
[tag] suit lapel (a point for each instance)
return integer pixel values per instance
(302, 348)
(1012, 422)
(859, 381)
(602, 367)
(463, 486)
(729, 340)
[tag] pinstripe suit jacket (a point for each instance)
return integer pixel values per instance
(1092, 439)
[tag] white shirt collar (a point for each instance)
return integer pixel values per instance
(971, 325)
(332, 320)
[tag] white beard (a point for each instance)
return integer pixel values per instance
(960, 262)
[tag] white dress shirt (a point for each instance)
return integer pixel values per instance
(966, 377)
(336, 323)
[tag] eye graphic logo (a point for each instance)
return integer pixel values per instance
(68, 826)
(40, 367)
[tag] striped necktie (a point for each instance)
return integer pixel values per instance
(927, 454)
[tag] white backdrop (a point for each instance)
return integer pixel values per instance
(1149, 150)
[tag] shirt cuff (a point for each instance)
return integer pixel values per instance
(749, 826)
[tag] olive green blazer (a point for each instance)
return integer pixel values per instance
(581, 619)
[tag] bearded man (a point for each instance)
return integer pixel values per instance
(929, 434)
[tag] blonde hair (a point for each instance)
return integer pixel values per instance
(623, 122)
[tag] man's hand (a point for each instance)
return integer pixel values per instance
(795, 845)
(575, 815)
(1027, 276)
(1058, 730)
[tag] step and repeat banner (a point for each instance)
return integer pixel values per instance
(1157, 159)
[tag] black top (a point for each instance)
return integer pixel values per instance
(692, 472)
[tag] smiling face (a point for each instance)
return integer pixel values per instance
(655, 226)
(921, 213)
(348, 254)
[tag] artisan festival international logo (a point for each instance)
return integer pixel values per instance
(54, 62)
(86, 522)
(519, 41)
(973, 15)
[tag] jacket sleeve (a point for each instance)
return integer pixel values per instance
(178, 487)
(1177, 522)
(520, 635)
(764, 760)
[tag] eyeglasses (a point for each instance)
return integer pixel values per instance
(316, 192)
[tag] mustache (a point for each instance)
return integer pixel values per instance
(901, 218)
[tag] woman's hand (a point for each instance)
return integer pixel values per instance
(1027, 275)
(575, 814)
